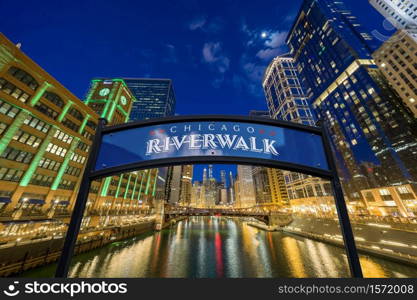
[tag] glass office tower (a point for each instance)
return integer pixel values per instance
(286, 101)
(155, 98)
(373, 135)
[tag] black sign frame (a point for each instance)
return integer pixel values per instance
(89, 175)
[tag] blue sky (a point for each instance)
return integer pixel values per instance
(214, 51)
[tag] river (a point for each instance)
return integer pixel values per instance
(211, 247)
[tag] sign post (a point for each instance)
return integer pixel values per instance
(209, 139)
(342, 212)
(80, 203)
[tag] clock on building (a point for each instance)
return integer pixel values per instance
(104, 92)
(123, 100)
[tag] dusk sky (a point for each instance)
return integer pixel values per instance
(214, 51)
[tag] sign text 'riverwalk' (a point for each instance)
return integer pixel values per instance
(216, 138)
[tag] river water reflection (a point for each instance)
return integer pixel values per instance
(210, 247)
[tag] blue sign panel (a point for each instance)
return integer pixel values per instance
(221, 139)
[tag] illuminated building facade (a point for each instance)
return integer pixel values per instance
(261, 185)
(284, 94)
(277, 186)
(266, 180)
(231, 192)
(246, 189)
(155, 98)
(397, 60)
(186, 184)
(113, 100)
(286, 101)
(196, 194)
(45, 136)
(373, 135)
(174, 180)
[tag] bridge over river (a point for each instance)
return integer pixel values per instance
(270, 218)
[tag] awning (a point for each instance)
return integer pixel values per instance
(5, 200)
(33, 201)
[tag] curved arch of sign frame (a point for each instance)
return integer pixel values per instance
(215, 159)
(90, 175)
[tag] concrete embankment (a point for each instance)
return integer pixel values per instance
(16, 258)
(264, 226)
(375, 239)
(174, 221)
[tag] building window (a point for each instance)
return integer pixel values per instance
(24, 77)
(28, 139)
(42, 180)
(71, 125)
(54, 98)
(37, 124)
(10, 89)
(67, 184)
(49, 112)
(49, 164)
(10, 174)
(8, 110)
(76, 114)
(403, 190)
(88, 135)
(77, 158)
(385, 195)
(17, 155)
(62, 136)
(73, 171)
(55, 149)
(83, 146)
(3, 127)
(92, 125)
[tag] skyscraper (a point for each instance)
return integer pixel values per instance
(278, 187)
(247, 196)
(373, 135)
(210, 171)
(223, 182)
(155, 98)
(174, 177)
(285, 97)
(196, 197)
(231, 191)
(401, 13)
(287, 101)
(397, 60)
(261, 185)
(186, 184)
(262, 176)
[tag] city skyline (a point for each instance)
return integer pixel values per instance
(317, 65)
(230, 74)
(214, 57)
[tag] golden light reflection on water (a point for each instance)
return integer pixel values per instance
(215, 247)
(371, 269)
(249, 246)
(293, 256)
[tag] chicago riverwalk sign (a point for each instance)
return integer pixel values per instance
(209, 139)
